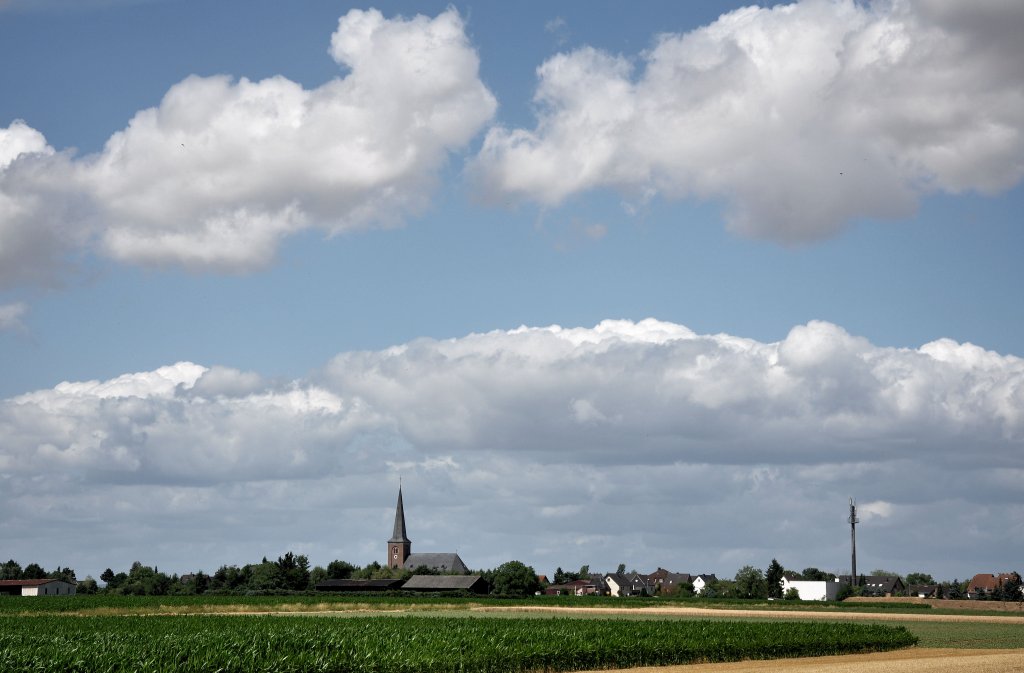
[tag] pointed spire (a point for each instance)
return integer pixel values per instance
(399, 533)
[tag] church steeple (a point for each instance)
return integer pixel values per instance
(399, 534)
(399, 546)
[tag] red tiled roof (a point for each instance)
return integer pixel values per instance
(989, 582)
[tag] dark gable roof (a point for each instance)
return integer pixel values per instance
(442, 582)
(358, 585)
(446, 563)
(31, 583)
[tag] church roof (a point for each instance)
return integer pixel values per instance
(446, 563)
(399, 533)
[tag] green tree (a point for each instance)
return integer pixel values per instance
(792, 594)
(681, 590)
(515, 579)
(340, 570)
(886, 573)
(750, 583)
(33, 571)
(87, 586)
(199, 583)
(294, 571)
(10, 570)
(812, 574)
(367, 572)
(66, 574)
(621, 569)
(1009, 590)
(107, 576)
(720, 589)
(317, 575)
(265, 576)
(117, 581)
(773, 578)
(919, 578)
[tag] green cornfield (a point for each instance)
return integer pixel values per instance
(410, 644)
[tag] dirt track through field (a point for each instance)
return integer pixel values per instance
(902, 661)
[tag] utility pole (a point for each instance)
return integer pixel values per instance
(853, 542)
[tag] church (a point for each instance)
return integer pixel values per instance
(400, 554)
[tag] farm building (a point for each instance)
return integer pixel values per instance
(44, 587)
(360, 586)
(472, 583)
(812, 590)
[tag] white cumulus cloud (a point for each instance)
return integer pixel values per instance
(800, 117)
(221, 170)
(651, 443)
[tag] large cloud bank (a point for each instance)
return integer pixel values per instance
(636, 442)
(799, 117)
(221, 170)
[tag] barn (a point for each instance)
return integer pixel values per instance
(45, 587)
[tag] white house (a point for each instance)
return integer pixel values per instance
(621, 585)
(701, 581)
(811, 590)
(45, 587)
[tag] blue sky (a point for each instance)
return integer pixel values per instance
(835, 177)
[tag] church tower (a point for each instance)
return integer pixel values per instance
(399, 546)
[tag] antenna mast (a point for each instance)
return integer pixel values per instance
(853, 520)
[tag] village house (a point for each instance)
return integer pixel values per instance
(925, 590)
(622, 585)
(701, 581)
(878, 585)
(985, 584)
(586, 587)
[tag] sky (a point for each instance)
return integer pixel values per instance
(662, 284)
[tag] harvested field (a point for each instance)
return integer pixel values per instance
(901, 661)
(988, 606)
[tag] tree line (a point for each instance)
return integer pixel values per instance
(289, 573)
(12, 570)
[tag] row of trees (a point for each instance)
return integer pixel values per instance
(12, 570)
(289, 573)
